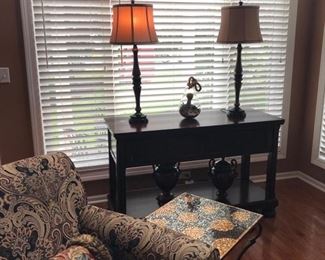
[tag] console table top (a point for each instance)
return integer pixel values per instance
(119, 125)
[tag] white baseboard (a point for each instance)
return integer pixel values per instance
(279, 176)
(102, 198)
(311, 181)
(290, 175)
(96, 199)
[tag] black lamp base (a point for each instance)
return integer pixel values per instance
(137, 118)
(236, 114)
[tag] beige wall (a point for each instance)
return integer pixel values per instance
(15, 123)
(308, 102)
(15, 129)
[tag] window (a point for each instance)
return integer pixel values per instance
(318, 150)
(76, 77)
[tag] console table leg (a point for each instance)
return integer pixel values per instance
(269, 211)
(112, 183)
(120, 199)
(244, 177)
(111, 196)
(270, 176)
(245, 164)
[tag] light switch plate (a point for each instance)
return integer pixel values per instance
(4, 75)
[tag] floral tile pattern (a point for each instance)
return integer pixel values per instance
(212, 222)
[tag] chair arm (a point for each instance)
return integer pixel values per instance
(142, 239)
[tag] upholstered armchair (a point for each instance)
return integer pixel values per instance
(44, 215)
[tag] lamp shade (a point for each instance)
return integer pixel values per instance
(133, 24)
(240, 24)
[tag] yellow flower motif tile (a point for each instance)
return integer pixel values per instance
(194, 232)
(222, 225)
(167, 209)
(224, 245)
(188, 217)
(240, 216)
(208, 209)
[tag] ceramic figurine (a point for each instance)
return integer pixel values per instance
(190, 104)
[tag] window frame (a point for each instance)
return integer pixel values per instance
(100, 172)
(319, 111)
(282, 152)
(32, 76)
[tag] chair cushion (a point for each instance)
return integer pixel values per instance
(40, 199)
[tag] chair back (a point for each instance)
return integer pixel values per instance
(40, 199)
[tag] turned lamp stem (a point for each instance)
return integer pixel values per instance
(136, 78)
(236, 113)
(238, 75)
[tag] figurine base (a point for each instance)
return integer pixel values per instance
(138, 118)
(236, 114)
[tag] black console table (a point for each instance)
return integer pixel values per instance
(169, 138)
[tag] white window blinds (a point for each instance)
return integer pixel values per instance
(82, 78)
(75, 64)
(318, 148)
(321, 153)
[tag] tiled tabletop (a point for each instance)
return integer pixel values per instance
(213, 222)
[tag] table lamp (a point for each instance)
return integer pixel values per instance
(133, 24)
(239, 24)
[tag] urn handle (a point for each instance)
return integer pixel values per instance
(212, 163)
(155, 166)
(177, 165)
(233, 164)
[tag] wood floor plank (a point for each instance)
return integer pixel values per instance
(296, 233)
(298, 230)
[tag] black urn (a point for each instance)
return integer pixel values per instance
(222, 174)
(166, 177)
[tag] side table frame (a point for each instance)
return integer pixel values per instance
(166, 140)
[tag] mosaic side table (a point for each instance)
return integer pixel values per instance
(212, 222)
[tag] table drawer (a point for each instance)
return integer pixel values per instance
(204, 145)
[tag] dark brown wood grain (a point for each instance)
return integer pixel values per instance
(298, 230)
(174, 121)
(167, 138)
(296, 233)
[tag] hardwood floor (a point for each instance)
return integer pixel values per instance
(296, 233)
(298, 230)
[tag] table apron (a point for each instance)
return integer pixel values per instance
(184, 146)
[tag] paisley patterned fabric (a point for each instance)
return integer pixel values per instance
(74, 253)
(93, 245)
(137, 239)
(43, 211)
(40, 199)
